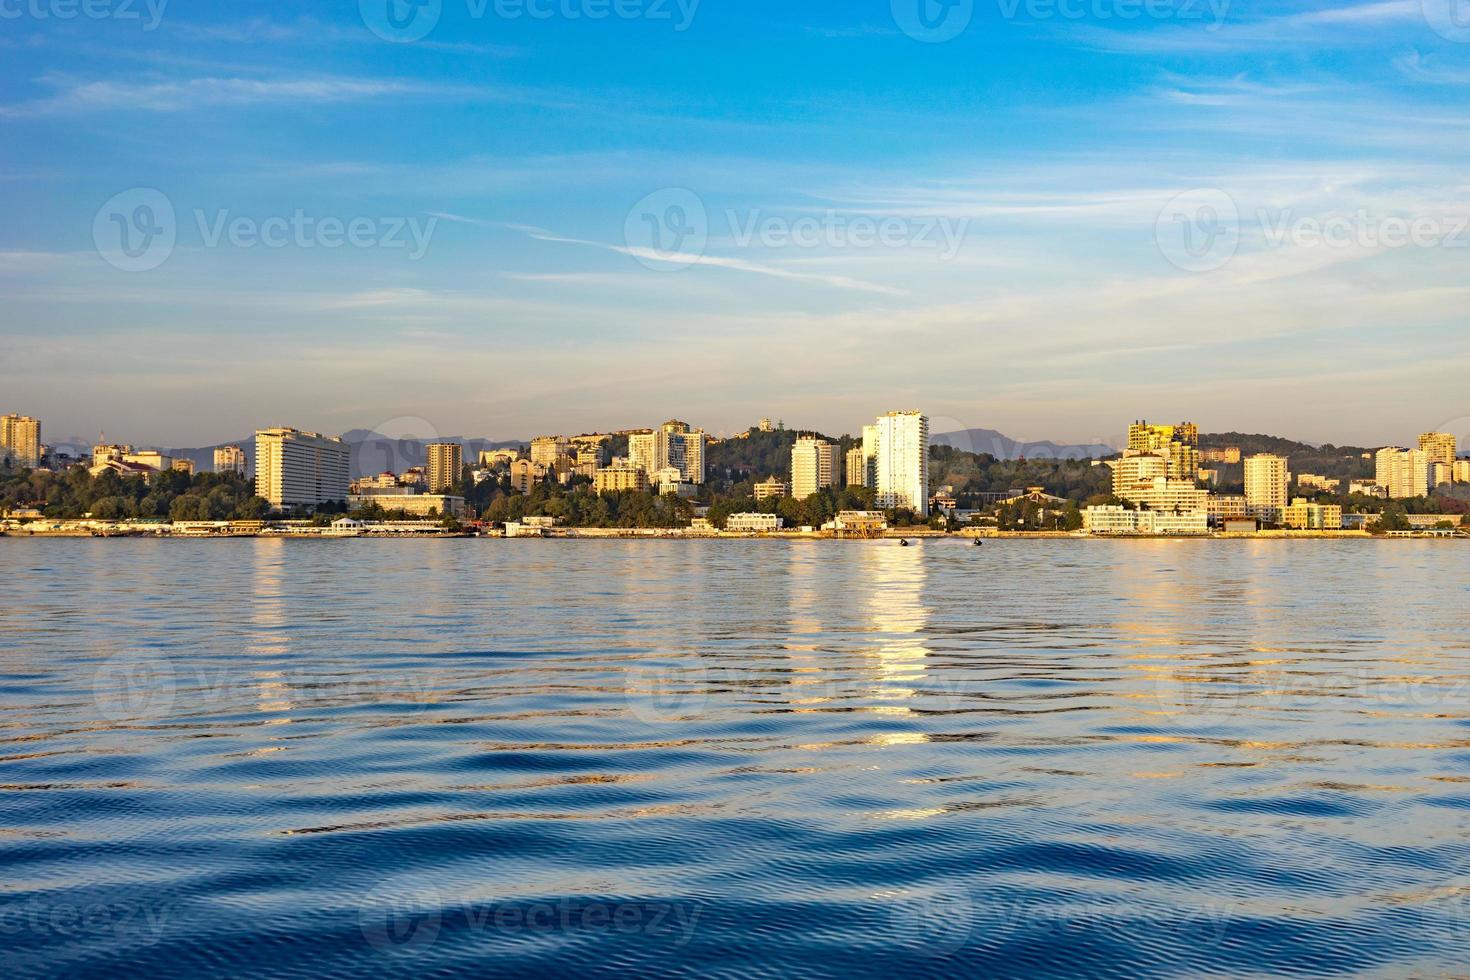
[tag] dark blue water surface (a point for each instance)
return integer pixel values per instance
(359, 758)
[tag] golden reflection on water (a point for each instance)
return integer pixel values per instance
(268, 598)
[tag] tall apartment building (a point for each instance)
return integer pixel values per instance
(814, 466)
(1439, 447)
(230, 459)
(296, 468)
(1136, 469)
(902, 461)
(1404, 472)
(444, 462)
(546, 449)
(20, 441)
(617, 478)
(672, 444)
(1267, 483)
(1179, 443)
(857, 467)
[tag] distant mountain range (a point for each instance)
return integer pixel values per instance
(1001, 446)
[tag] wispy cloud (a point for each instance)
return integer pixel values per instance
(76, 97)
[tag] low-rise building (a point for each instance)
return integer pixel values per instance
(1314, 481)
(770, 487)
(1224, 507)
(859, 522)
(1116, 519)
(1368, 488)
(750, 522)
(416, 504)
(1304, 515)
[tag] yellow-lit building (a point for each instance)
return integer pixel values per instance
(1267, 484)
(813, 466)
(615, 479)
(20, 441)
(1178, 443)
(1303, 515)
(525, 474)
(443, 464)
(1439, 447)
(770, 487)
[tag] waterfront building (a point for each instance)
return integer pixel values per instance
(20, 442)
(1117, 519)
(230, 459)
(902, 461)
(1303, 515)
(1405, 472)
(298, 468)
(753, 522)
(525, 474)
(443, 465)
(770, 487)
(413, 504)
(1267, 484)
(1312, 481)
(814, 466)
(1438, 447)
(1178, 443)
(1175, 496)
(1136, 470)
(1225, 507)
(620, 477)
(860, 522)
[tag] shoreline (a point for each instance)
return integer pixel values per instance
(661, 534)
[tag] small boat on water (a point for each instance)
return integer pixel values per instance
(903, 542)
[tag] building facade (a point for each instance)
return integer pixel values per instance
(1267, 484)
(296, 468)
(1439, 447)
(230, 459)
(768, 488)
(1304, 515)
(814, 466)
(20, 442)
(753, 522)
(902, 461)
(1404, 472)
(1179, 444)
(616, 479)
(672, 444)
(444, 462)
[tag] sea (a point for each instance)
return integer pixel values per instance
(734, 758)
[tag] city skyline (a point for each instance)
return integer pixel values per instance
(519, 255)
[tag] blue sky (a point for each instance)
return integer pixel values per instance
(1044, 216)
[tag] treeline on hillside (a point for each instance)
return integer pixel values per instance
(1341, 462)
(173, 495)
(971, 474)
(760, 455)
